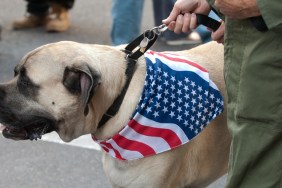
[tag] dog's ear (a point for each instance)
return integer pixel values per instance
(80, 79)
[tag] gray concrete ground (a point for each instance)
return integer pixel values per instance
(43, 164)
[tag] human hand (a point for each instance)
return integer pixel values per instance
(218, 35)
(238, 9)
(183, 18)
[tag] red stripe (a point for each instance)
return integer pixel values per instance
(118, 156)
(168, 135)
(134, 145)
(179, 60)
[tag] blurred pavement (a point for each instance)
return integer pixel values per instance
(44, 164)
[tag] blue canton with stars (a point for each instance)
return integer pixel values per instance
(178, 97)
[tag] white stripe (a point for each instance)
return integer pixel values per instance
(153, 142)
(111, 151)
(179, 66)
(173, 127)
(126, 154)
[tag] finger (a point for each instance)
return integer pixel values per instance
(171, 26)
(219, 33)
(172, 16)
(186, 23)
(193, 22)
(179, 24)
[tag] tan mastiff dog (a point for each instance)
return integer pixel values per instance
(67, 87)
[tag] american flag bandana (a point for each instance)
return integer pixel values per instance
(178, 101)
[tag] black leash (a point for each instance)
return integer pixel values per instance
(142, 43)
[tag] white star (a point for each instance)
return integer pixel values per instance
(179, 118)
(149, 109)
(157, 105)
(172, 104)
(186, 88)
(193, 92)
(165, 109)
(192, 118)
(200, 88)
(179, 100)
(193, 109)
(205, 110)
(172, 96)
(165, 100)
(150, 68)
(202, 127)
(151, 77)
(186, 113)
(159, 69)
(156, 114)
(166, 83)
(212, 106)
(179, 109)
(166, 92)
(172, 87)
(165, 74)
(206, 93)
(193, 84)
(187, 96)
(200, 105)
(186, 105)
(173, 78)
(199, 114)
(186, 80)
(185, 123)
(172, 114)
(191, 127)
(146, 83)
(159, 87)
(179, 92)
(200, 97)
(210, 114)
(179, 83)
(193, 101)
(159, 96)
(212, 96)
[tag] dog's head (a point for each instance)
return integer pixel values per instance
(51, 91)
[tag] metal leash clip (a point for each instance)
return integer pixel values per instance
(159, 29)
(150, 35)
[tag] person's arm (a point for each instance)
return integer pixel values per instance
(238, 9)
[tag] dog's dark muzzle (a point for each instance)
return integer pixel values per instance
(24, 130)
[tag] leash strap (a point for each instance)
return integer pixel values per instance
(144, 42)
(208, 22)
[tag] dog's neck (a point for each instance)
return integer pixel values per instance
(127, 107)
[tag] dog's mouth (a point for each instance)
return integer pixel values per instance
(32, 131)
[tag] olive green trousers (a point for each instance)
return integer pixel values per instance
(253, 76)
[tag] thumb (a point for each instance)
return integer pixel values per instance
(172, 16)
